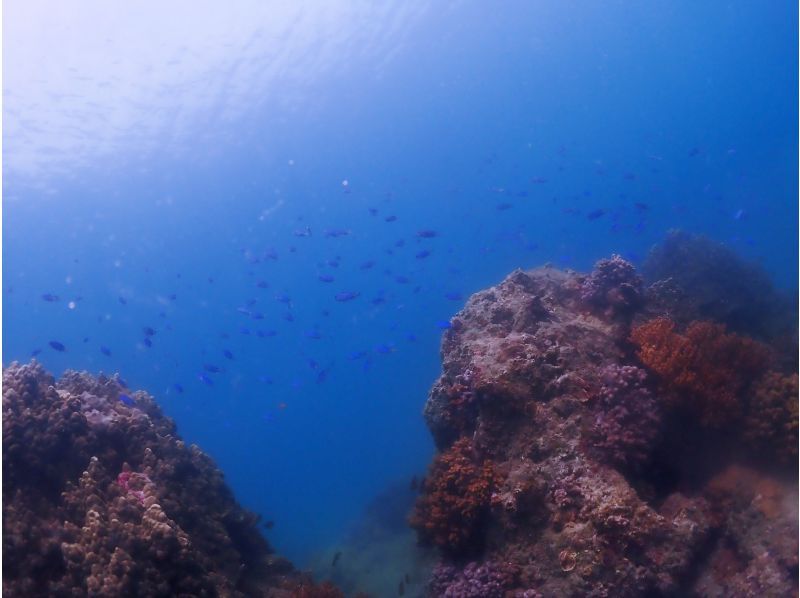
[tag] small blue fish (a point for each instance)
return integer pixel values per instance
(427, 234)
(57, 346)
(105, 351)
(266, 333)
(35, 352)
(205, 380)
(346, 296)
(502, 207)
(50, 297)
(453, 296)
(422, 254)
(262, 284)
(210, 367)
(355, 355)
(126, 400)
(384, 349)
(390, 219)
(122, 300)
(313, 334)
(595, 214)
(148, 331)
(227, 354)
(367, 265)
(147, 342)
(265, 379)
(257, 315)
(444, 324)
(400, 279)
(178, 388)
(325, 278)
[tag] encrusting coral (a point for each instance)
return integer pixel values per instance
(588, 495)
(704, 369)
(102, 498)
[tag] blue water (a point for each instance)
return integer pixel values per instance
(161, 169)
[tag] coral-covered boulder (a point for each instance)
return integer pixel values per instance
(590, 495)
(102, 498)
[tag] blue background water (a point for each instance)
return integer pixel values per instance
(169, 159)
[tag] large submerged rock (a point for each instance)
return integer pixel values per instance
(102, 498)
(594, 443)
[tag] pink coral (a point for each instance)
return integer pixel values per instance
(613, 286)
(627, 417)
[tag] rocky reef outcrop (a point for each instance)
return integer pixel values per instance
(102, 498)
(600, 436)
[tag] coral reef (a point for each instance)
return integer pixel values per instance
(455, 499)
(486, 580)
(771, 422)
(692, 277)
(613, 285)
(627, 417)
(102, 498)
(589, 494)
(705, 369)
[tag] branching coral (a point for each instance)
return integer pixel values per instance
(771, 422)
(450, 512)
(627, 417)
(705, 369)
(613, 285)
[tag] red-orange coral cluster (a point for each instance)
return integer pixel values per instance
(455, 499)
(771, 422)
(704, 369)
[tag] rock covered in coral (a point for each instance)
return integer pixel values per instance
(692, 277)
(614, 286)
(627, 417)
(102, 498)
(587, 496)
(771, 422)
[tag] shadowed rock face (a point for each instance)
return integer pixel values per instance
(599, 485)
(102, 498)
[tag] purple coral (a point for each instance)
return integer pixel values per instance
(627, 418)
(613, 285)
(487, 580)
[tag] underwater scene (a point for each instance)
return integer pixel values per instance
(335, 299)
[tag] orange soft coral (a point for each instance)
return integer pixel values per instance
(450, 512)
(705, 369)
(771, 422)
